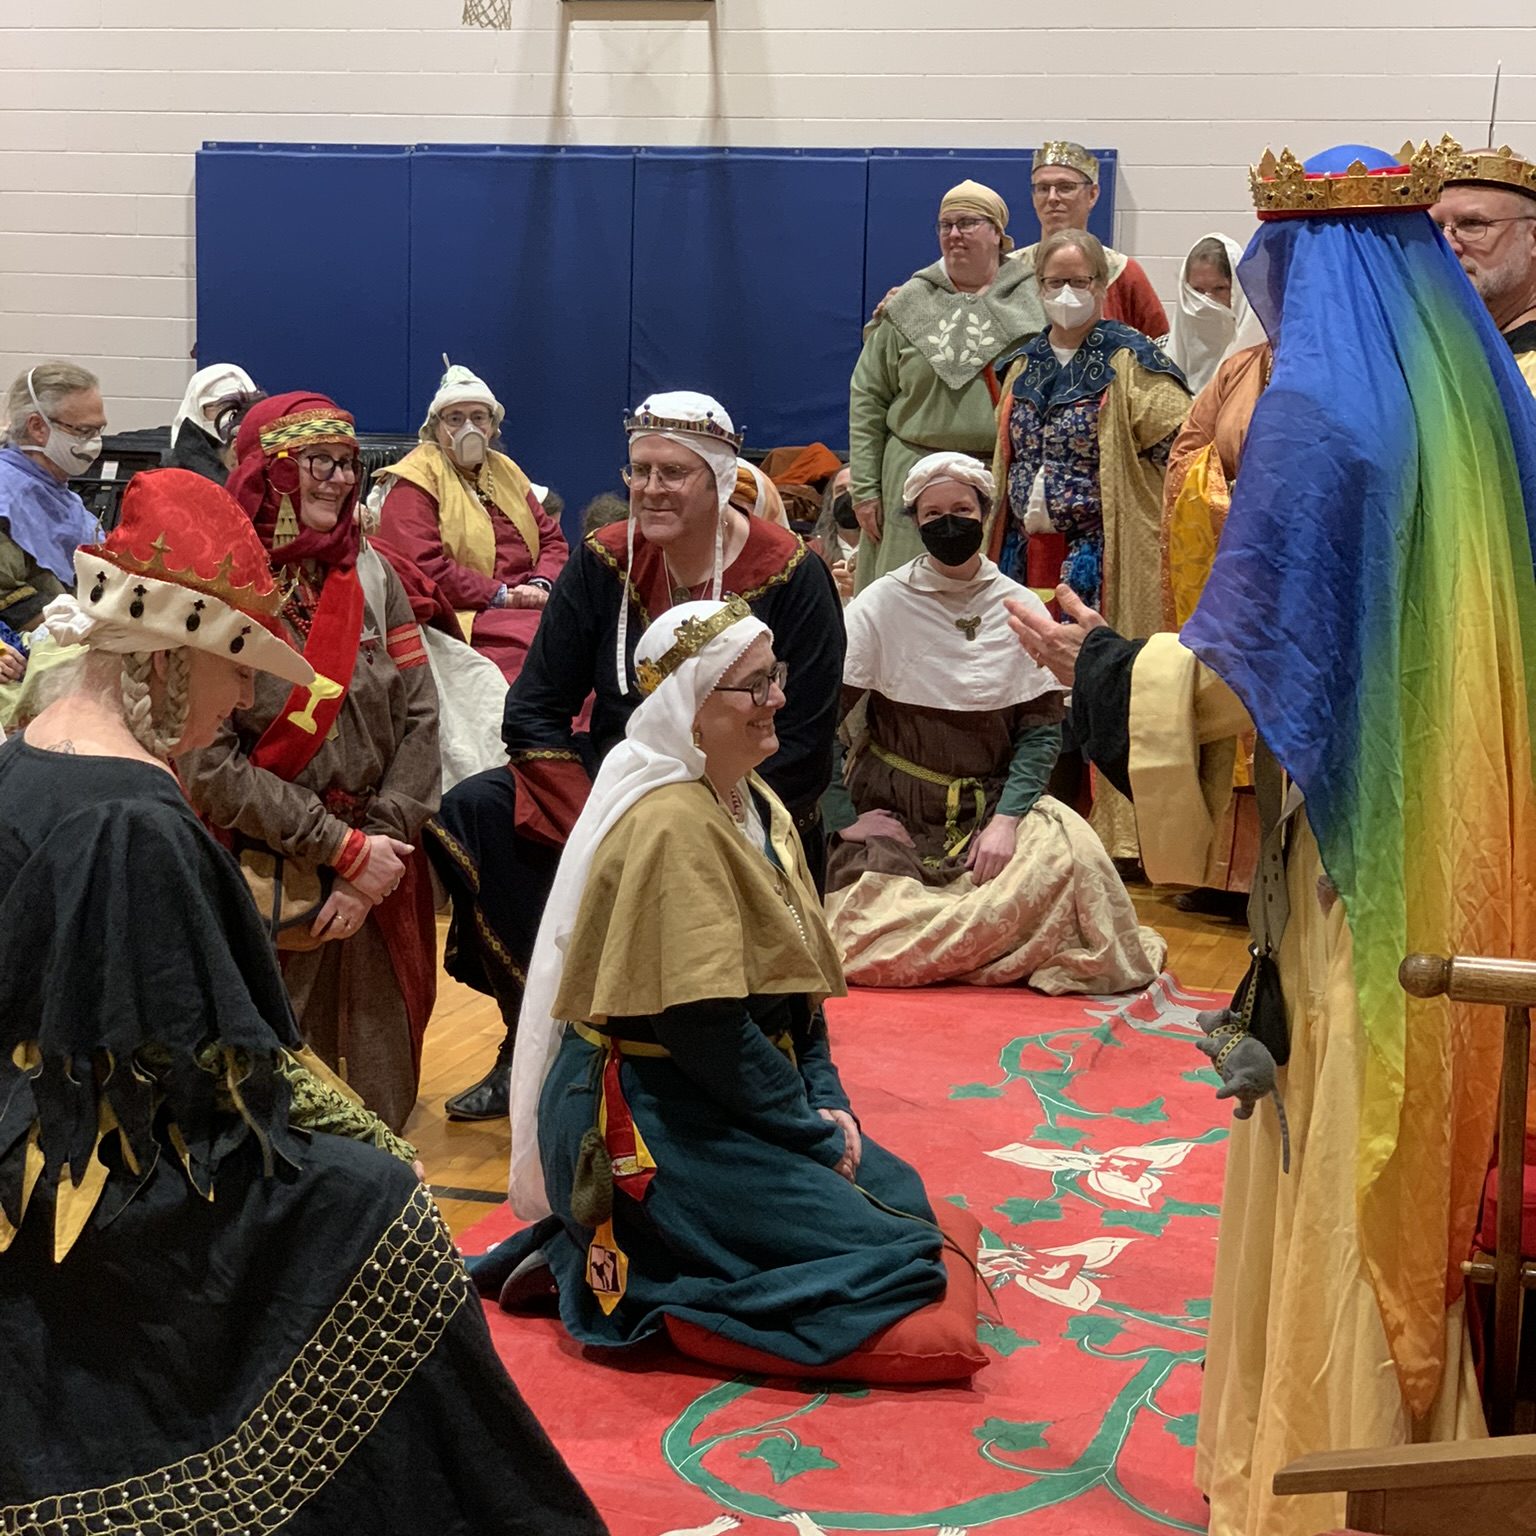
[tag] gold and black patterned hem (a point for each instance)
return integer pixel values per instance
(455, 851)
(543, 755)
(493, 945)
(317, 1413)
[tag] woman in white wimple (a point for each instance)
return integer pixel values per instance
(959, 866)
(672, 1055)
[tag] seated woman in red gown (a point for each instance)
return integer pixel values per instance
(469, 518)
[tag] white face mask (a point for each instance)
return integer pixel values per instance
(72, 455)
(1069, 308)
(469, 445)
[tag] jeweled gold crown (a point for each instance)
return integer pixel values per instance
(1284, 188)
(1500, 167)
(648, 421)
(692, 636)
(1073, 156)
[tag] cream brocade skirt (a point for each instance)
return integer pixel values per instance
(1298, 1359)
(1057, 916)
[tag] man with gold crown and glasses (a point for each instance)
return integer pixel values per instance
(470, 519)
(684, 943)
(1064, 182)
(1370, 613)
(497, 840)
(1488, 213)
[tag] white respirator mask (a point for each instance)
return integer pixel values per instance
(1069, 308)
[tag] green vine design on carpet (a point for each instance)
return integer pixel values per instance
(1050, 1084)
(1000, 1442)
(1004, 1444)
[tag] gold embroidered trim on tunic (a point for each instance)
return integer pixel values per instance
(321, 1101)
(778, 578)
(314, 1416)
(544, 755)
(460, 856)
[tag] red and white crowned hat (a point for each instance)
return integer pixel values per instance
(183, 567)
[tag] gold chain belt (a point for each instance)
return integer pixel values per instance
(954, 839)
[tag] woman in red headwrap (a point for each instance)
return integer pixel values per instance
(339, 776)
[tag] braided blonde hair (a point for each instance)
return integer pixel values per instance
(156, 735)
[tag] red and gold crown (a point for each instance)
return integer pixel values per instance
(183, 567)
(645, 420)
(1284, 188)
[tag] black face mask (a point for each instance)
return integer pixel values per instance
(951, 539)
(842, 511)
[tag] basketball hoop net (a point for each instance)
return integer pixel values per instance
(495, 15)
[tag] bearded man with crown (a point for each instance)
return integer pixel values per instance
(1370, 615)
(497, 840)
(1488, 213)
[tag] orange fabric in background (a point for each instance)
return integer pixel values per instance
(800, 466)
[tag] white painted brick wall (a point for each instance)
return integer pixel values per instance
(103, 103)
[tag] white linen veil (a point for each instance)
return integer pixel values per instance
(657, 749)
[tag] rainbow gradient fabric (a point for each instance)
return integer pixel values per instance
(1373, 603)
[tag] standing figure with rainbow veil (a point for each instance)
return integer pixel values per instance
(1371, 614)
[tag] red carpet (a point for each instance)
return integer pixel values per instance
(1085, 1136)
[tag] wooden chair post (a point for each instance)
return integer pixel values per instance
(1465, 979)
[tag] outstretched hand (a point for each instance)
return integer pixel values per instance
(1053, 645)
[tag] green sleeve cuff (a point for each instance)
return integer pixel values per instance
(1034, 756)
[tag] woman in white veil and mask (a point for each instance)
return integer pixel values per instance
(676, 1116)
(1212, 319)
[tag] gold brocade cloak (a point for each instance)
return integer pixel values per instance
(678, 908)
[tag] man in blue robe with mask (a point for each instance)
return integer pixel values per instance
(56, 420)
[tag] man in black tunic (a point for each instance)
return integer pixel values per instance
(496, 841)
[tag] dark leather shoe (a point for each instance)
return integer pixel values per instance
(490, 1097)
(530, 1290)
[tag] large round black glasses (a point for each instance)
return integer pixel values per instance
(761, 688)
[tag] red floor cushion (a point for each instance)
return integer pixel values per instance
(936, 1343)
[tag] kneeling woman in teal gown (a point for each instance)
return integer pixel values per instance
(677, 1120)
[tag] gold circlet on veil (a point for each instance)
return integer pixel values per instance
(692, 636)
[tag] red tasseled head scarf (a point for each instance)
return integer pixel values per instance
(273, 433)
